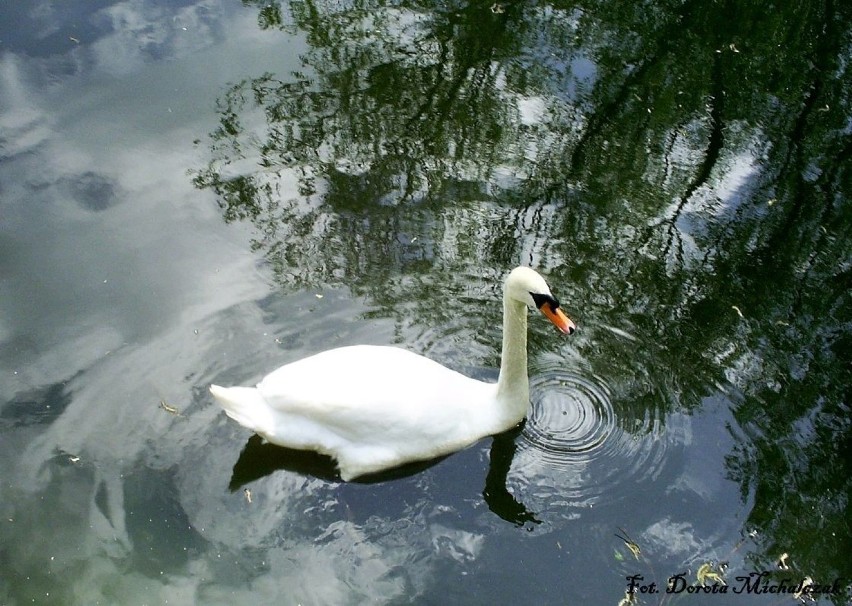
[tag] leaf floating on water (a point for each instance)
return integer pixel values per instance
(806, 582)
(706, 573)
(629, 543)
(629, 598)
(169, 408)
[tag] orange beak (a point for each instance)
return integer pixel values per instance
(559, 319)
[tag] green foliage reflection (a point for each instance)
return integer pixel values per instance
(684, 165)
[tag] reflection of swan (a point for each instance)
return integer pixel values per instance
(260, 458)
(373, 407)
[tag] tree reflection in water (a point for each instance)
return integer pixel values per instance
(684, 168)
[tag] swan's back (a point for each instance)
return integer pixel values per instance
(364, 377)
(368, 406)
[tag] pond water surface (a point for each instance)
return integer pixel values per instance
(200, 191)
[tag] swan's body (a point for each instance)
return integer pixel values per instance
(377, 407)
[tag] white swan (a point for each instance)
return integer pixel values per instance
(377, 407)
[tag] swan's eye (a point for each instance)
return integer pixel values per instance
(541, 300)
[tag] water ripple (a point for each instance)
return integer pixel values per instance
(577, 450)
(571, 416)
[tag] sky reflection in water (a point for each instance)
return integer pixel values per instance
(378, 171)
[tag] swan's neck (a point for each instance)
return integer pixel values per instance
(513, 388)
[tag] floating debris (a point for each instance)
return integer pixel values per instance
(706, 573)
(169, 408)
(806, 582)
(629, 543)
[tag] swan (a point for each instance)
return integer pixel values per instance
(373, 407)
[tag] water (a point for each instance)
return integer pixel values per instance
(203, 191)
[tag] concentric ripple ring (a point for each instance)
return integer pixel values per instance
(571, 415)
(578, 450)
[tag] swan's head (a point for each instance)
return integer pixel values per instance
(528, 287)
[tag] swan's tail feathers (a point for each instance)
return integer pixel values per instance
(244, 405)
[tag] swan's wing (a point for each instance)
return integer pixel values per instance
(368, 389)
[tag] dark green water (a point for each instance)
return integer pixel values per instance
(202, 191)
